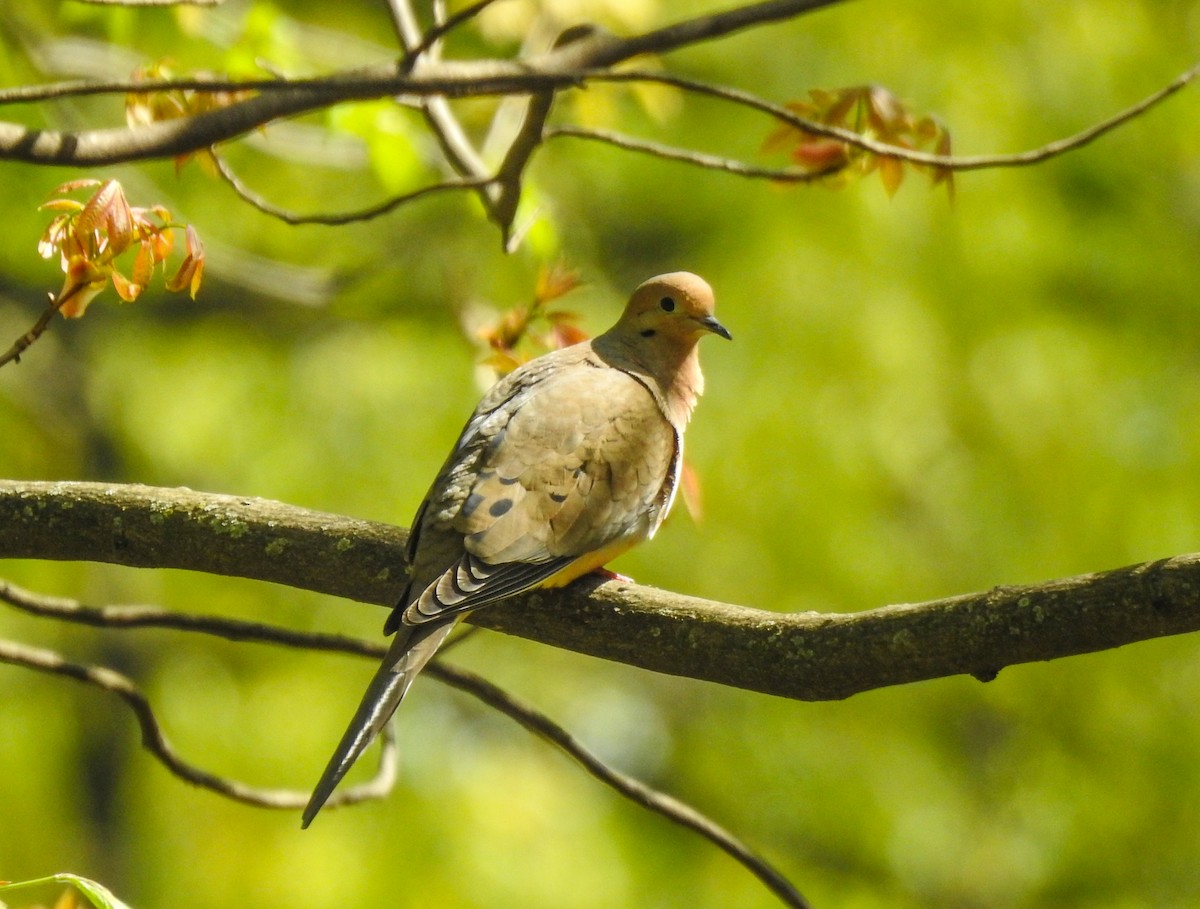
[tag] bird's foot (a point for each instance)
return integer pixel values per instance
(606, 575)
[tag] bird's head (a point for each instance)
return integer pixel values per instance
(676, 308)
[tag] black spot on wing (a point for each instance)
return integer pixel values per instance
(500, 507)
(474, 500)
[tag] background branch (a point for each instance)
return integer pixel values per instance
(688, 156)
(529, 718)
(865, 143)
(156, 742)
(425, 76)
(557, 68)
(333, 219)
(808, 656)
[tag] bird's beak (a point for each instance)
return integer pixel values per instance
(710, 323)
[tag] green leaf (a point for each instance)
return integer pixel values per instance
(97, 894)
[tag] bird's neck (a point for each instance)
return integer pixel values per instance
(671, 372)
(684, 387)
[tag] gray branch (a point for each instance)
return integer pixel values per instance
(806, 655)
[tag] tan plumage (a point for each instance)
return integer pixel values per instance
(566, 463)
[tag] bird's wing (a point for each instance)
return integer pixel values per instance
(579, 462)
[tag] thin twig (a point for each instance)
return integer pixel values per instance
(688, 156)
(948, 162)
(506, 195)
(708, 27)
(154, 741)
(23, 343)
(121, 617)
(537, 723)
(363, 214)
(631, 788)
(441, 29)
(457, 148)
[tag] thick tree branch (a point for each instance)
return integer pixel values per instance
(809, 656)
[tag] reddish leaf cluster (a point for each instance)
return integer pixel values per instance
(90, 236)
(874, 113)
(547, 330)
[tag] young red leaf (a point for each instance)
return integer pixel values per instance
(819, 154)
(127, 290)
(83, 282)
(71, 185)
(554, 282)
(143, 263)
(891, 172)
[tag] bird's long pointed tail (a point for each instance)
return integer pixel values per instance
(412, 648)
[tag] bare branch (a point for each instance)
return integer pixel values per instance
(154, 741)
(540, 725)
(459, 151)
(705, 28)
(688, 156)
(434, 80)
(337, 218)
(451, 22)
(122, 617)
(23, 343)
(805, 655)
(307, 549)
(169, 138)
(630, 787)
(82, 88)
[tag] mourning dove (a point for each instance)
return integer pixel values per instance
(566, 463)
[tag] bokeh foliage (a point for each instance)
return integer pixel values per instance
(923, 398)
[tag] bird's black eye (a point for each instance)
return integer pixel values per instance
(667, 304)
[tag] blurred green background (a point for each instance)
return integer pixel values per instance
(924, 398)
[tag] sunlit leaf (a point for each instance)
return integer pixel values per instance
(891, 172)
(97, 894)
(555, 281)
(93, 219)
(72, 185)
(691, 491)
(83, 282)
(127, 290)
